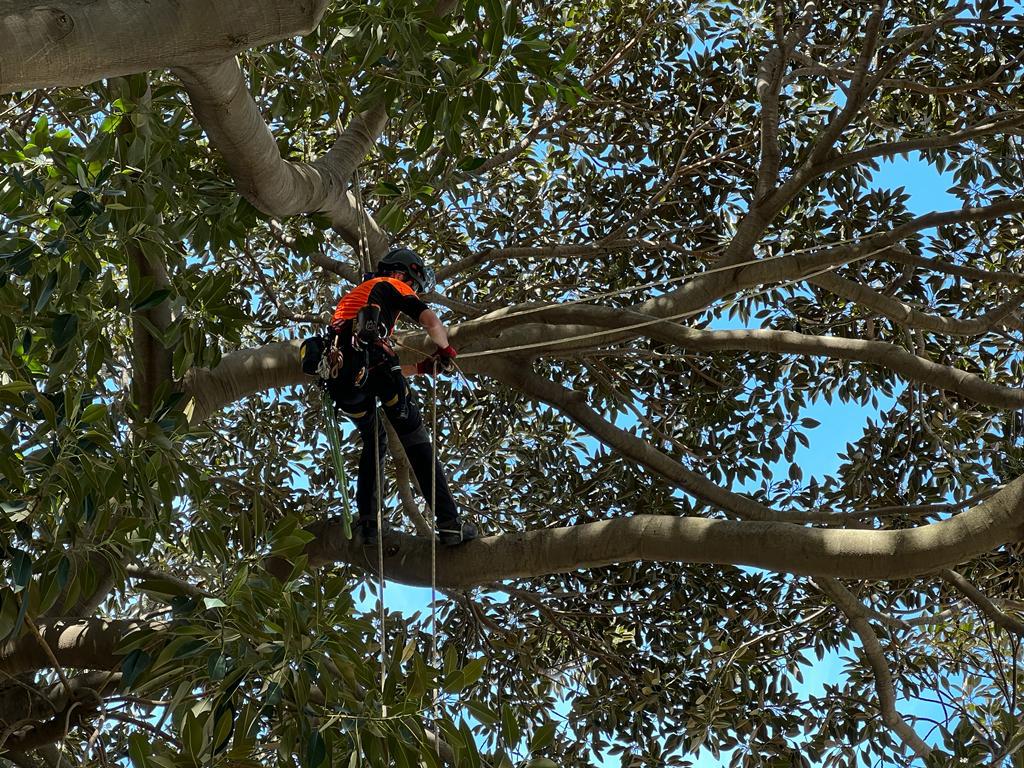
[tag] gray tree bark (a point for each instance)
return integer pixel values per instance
(74, 42)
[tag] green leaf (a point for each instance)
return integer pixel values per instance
(192, 736)
(134, 664)
(47, 291)
(223, 726)
(217, 667)
(21, 569)
(139, 750)
(40, 135)
(152, 300)
(8, 613)
(64, 327)
(316, 751)
(543, 736)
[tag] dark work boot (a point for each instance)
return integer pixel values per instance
(455, 532)
(365, 531)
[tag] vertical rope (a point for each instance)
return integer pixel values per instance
(364, 238)
(380, 557)
(433, 552)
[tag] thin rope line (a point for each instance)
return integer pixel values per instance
(380, 557)
(433, 551)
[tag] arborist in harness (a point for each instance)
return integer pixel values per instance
(364, 368)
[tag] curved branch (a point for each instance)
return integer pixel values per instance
(46, 44)
(572, 404)
(971, 273)
(776, 546)
(997, 124)
(225, 108)
(857, 615)
(76, 643)
(240, 374)
(880, 353)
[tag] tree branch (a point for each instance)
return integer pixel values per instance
(151, 361)
(971, 273)
(994, 125)
(769, 86)
(856, 614)
(776, 546)
(883, 354)
(572, 404)
(46, 44)
(240, 374)
(225, 108)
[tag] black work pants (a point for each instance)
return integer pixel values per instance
(355, 391)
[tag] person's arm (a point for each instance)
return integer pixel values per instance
(443, 359)
(434, 327)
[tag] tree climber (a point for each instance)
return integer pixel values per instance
(362, 367)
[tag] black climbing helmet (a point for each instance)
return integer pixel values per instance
(405, 260)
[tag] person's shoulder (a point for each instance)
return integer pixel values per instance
(399, 286)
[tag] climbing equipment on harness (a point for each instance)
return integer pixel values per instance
(311, 353)
(321, 357)
(408, 261)
(367, 328)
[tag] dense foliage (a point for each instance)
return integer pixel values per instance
(537, 153)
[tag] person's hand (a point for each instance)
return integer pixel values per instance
(445, 357)
(425, 367)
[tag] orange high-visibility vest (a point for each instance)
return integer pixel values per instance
(350, 304)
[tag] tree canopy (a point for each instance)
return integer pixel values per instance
(662, 238)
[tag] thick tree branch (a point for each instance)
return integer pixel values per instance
(857, 616)
(225, 108)
(246, 372)
(58, 44)
(76, 643)
(776, 546)
(240, 374)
